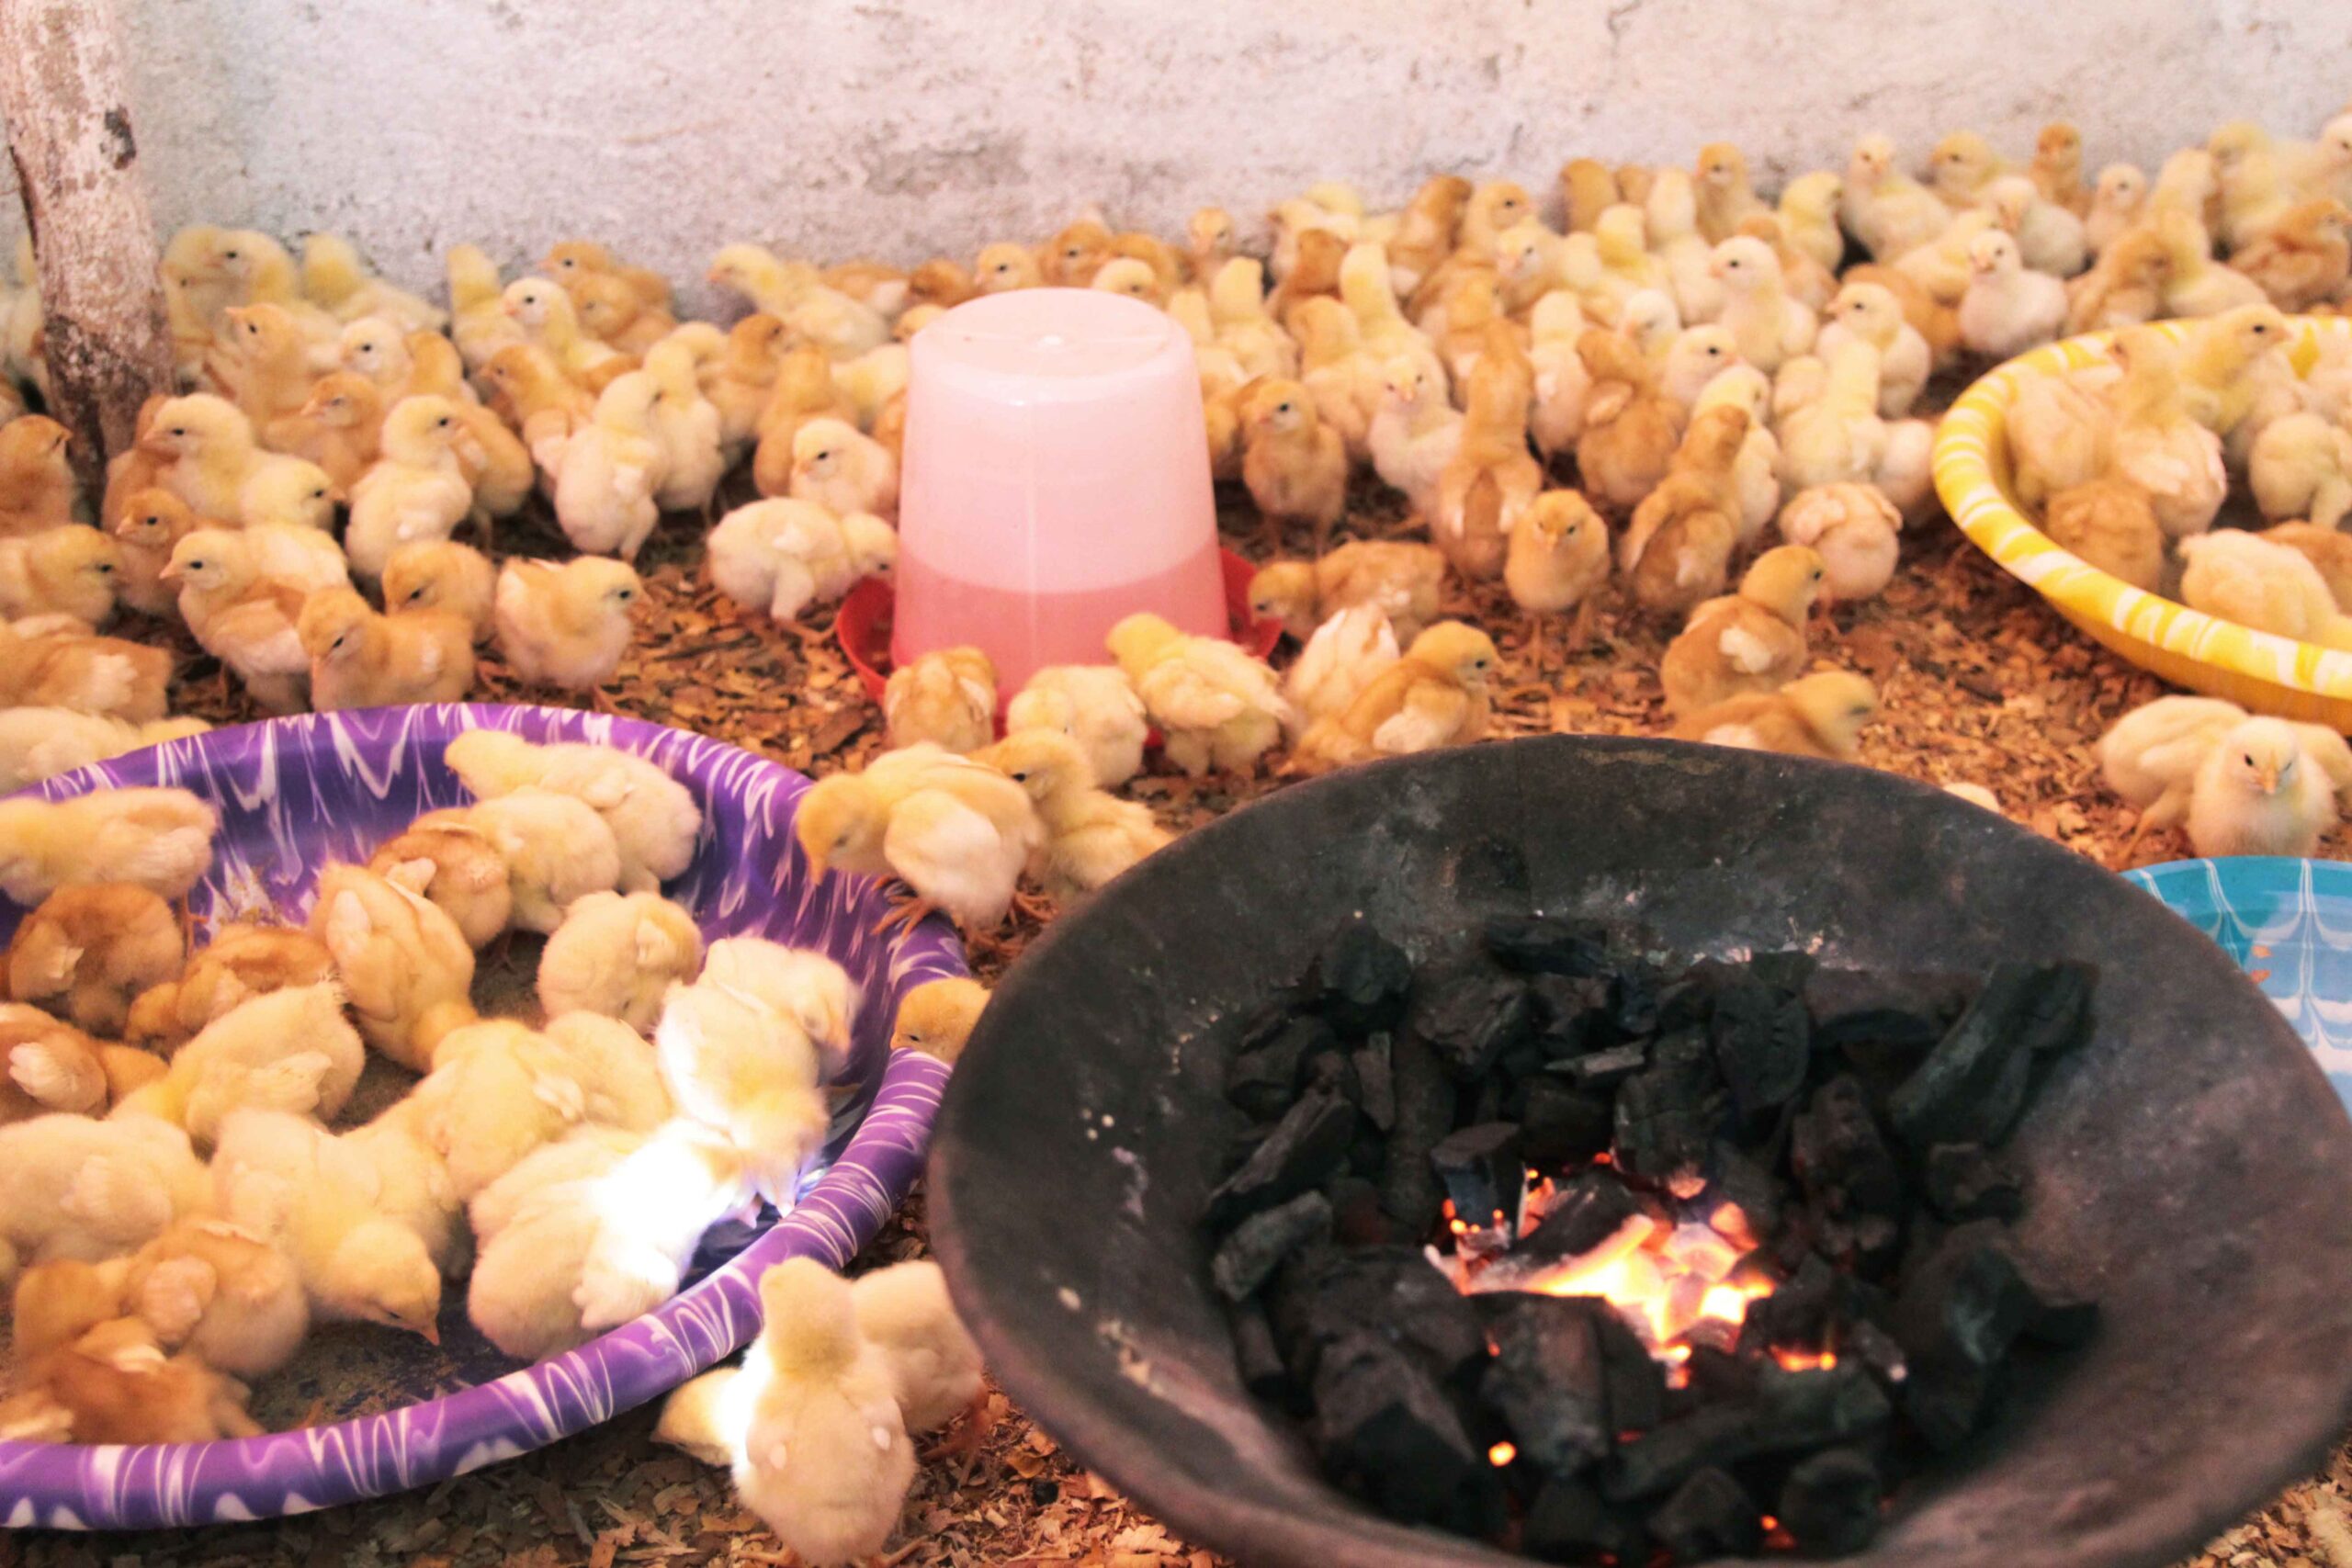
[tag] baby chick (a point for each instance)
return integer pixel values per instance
(2303, 259)
(804, 392)
(947, 698)
(2257, 792)
(956, 832)
(334, 279)
(1765, 321)
(286, 1050)
(339, 426)
(842, 471)
(448, 860)
(479, 326)
(1814, 716)
(498, 1090)
(1854, 529)
(608, 471)
(1401, 580)
(557, 848)
(38, 743)
(616, 953)
(905, 1312)
(50, 1065)
(825, 1459)
(221, 1291)
(114, 1385)
(1341, 658)
(2301, 466)
(651, 1214)
(1750, 641)
(653, 818)
(2154, 755)
(687, 425)
(937, 1017)
(565, 622)
(1872, 313)
(72, 1187)
(70, 570)
(2257, 583)
(1630, 428)
(2008, 307)
(444, 577)
(37, 484)
(748, 1073)
(2124, 288)
(1434, 696)
(1095, 706)
(89, 948)
(2326, 548)
(1888, 211)
(239, 963)
(416, 491)
(534, 1226)
(1218, 708)
(157, 838)
(2117, 203)
(1559, 555)
(1492, 480)
(1678, 548)
(780, 556)
(362, 660)
(405, 966)
(1090, 836)
(803, 987)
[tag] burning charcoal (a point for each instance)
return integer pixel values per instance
(1667, 1114)
(1320, 1297)
(1484, 1174)
(1795, 1412)
(1839, 1157)
(1561, 1125)
(1386, 1428)
(1471, 1020)
(1248, 1256)
(1262, 1079)
(1361, 982)
(1742, 1182)
(1963, 1182)
(1959, 1311)
(1569, 1522)
(1664, 1458)
(1716, 1374)
(1607, 1070)
(1973, 1085)
(1829, 1504)
(1425, 1099)
(1762, 1043)
(1535, 944)
(1376, 1084)
(1795, 1316)
(1305, 1146)
(1260, 1365)
(1701, 1251)
(1709, 1516)
(1569, 1013)
(1548, 1381)
(1585, 1211)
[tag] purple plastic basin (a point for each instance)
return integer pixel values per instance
(298, 793)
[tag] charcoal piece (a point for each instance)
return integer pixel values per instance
(1571, 1522)
(1687, 1003)
(1668, 1113)
(1718, 1374)
(1586, 1210)
(2064, 1323)
(1305, 1146)
(1663, 1458)
(1561, 1124)
(1949, 1402)
(1361, 982)
(1375, 1082)
(1796, 1316)
(1356, 1216)
(1535, 944)
(1636, 1382)
(1367, 1153)
(1973, 1085)
(1259, 1363)
(1959, 1312)
(1634, 1001)
(1472, 1019)
(1795, 1412)
(1484, 1174)
(1787, 972)
(1875, 1348)
(1603, 1070)
(1547, 1381)
(1262, 1078)
(1829, 1502)
(1321, 1296)
(1964, 1182)
(1710, 1516)
(1486, 1104)
(1570, 1013)
(1332, 1073)
(1248, 1256)
(1762, 1042)
(1839, 1157)
(1741, 1181)
(1409, 1190)
(1386, 1428)
(1882, 1043)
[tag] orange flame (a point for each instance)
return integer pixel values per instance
(1501, 1454)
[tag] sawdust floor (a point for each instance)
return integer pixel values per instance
(1981, 684)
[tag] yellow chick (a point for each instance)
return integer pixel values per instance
(654, 819)
(1768, 324)
(937, 1017)
(405, 966)
(70, 570)
(805, 390)
(1870, 312)
(842, 471)
(363, 659)
(2007, 306)
(2151, 755)
(337, 281)
(447, 859)
(1885, 208)
(550, 322)
(1750, 641)
(417, 491)
(1808, 214)
(1435, 696)
(1814, 716)
(286, 1050)
(38, 743)
(1837, 436)
(748, 1073)
(1095, 706)
(1005, 267)
(826, 1461)
(572, 260)
(803, 987)
(1402, 579)
(89, 948)
(2253, 189)
(150, 522)
(2303, 258)
(608, 473)
(72, 1187)
(239, 963)
(687, 426)
(37, 484)
(615, 954)
(1346, 381)
(779, 555)
(534, 1228)
(2269, 587)
(412, 364)
(100, 675)
(2057, 167)
(2195, 283)
(1218, 708)
(556, 849)
(1725, 197)
(1678, 548)
(242, 595)
(2157, 445)
(1854, 529)
(1341, 657)
(339, 427)
(157, 838)
(614, 315)
(498, 1091)
(1961, 165)
(743, 376)
(1090, 835)
(532, 395)
(1492, 480)
(1417, 431)
(956, 832)
(1630, 428)
(566, 623)
(947, 698)
(2257, 792)
(262, 362)
(2325, 547)
(650, 1216)
(906, 1312)
(444, 577)
(2118, 201)
(2124, 288)
(206, 450)
(1559, 555)
(221, 1292)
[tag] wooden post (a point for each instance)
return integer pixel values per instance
(77, 166)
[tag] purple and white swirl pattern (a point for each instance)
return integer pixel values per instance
(298, 793)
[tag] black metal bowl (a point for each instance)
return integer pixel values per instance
(2190, 1165)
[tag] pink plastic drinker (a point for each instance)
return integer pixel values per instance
(1056, 480)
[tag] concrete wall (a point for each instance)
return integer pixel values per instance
(903, 127)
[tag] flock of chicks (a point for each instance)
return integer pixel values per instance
(178, 1205)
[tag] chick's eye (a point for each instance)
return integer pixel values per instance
(2249, 759)
(177, 430)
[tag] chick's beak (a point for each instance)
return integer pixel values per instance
(2267, 778)
(818, 865)
(170, 573)
(431, 1332)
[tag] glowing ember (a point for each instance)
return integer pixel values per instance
(1501, 1454)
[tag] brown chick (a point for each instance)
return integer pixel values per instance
(939, 281)
(937, 1017)
(1633, 182)
(1434, 696)
(1926, 315)
(445, 859)
(1166, 262)
(1402, 579)
(114, 1385)
(1629, 427)
(136, 468)
(573, 260)
(1677, 548)
(2303, 259)
(37, 486)
(532, 394)
(50, 1066)
(152, 522)
(89, 674)
(613, 313)
(441, 574)
(1005, 265)
(566, 623)
(261, 361)
(2330, 549)
(1816, 716)
(1427, 229)
(1068, 260)
(2110, 523)
(340, 427)
(1315, 275)
(1587, 190)
(57, 1302)
(1208, 241)
(2124, 288)
(1492, 479)
(90, 948)
(239, 963)
(1750, 641)
(1296, 466)
(745, 377)
(2057, 168)
(947, 698)
(804, 390)
(1559, 555)
(1725, 197)
(362, 660)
